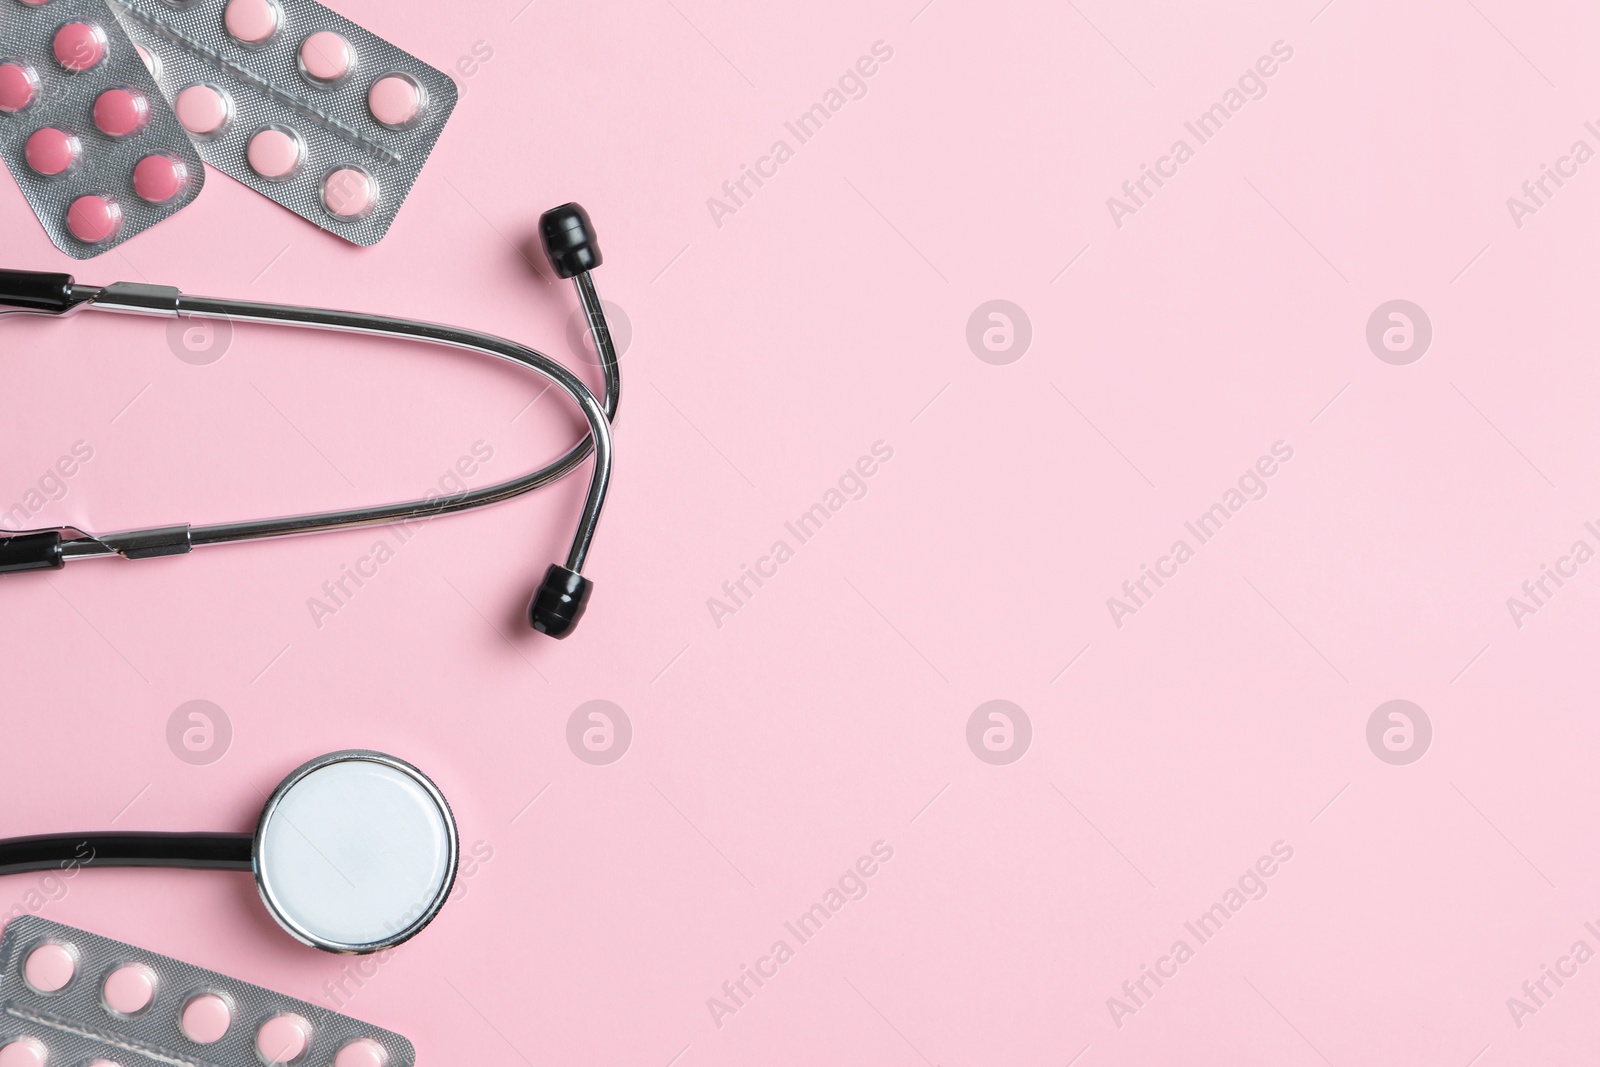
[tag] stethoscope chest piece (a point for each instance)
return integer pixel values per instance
(356, 852)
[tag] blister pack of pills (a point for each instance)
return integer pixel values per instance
(84, 129)
(69, 998)
(297, 102)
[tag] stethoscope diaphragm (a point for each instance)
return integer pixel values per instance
(355, 852)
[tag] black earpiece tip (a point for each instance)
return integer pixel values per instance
(569, 240)
(559, 603)
(31, 552)
(34, 291)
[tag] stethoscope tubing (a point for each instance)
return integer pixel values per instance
(191, 851)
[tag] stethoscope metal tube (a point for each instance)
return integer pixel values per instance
(560, 602)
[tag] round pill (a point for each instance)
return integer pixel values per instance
(395, 100)
(362, 1052)
(151, 61)
(94, 219)
(160, 178)
(206, 1018)
(121, 112)
(19, 86)
(326, 56)
(283, 1039)
(130, 988)
(349, 193)
(252, 21)
(36, 3)
(80, 45)
(202, 109)
(50, 966)
(23, 1052)
(275, 154)
(103, 1063)
(51, 151)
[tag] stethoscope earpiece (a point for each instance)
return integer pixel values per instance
(559, 603)
(569, 240)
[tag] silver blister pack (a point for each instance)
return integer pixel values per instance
(297, 102)
(95, 1015)
(84, 129)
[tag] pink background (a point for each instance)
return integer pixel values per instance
(830, 712)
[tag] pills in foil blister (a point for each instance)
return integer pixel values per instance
(297, 102)
(70, 998)
(84, 130)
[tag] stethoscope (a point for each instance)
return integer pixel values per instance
(355, 852)
(569, 241)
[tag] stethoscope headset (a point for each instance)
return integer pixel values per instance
(354, 852)
(569, 240)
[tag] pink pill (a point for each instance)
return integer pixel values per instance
(50, 966)
(160, 178)
(23, 1052)
(51, 151)
(80, 45)
(252, 21)
(94, 219)
(130, 988)
(121, 112)
(206, 1018)
(395, 100)
(151, 61)
(326, 56)
(203, 109)
(350, 193)
(362, 1052)
(283, 1039)
(275, 153)
(36, 3)
(19, 86)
